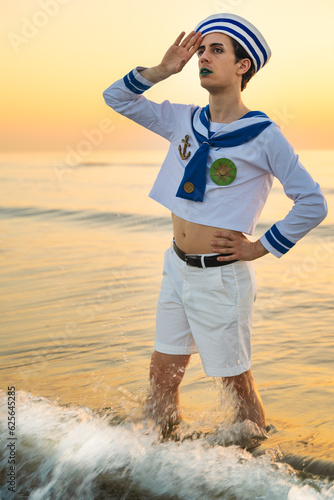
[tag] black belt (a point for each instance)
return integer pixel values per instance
(200, 260)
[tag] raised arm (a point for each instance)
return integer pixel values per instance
(175, 58)
(125, 95)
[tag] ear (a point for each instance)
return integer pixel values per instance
(243, 66)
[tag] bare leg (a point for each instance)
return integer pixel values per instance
(166, 374)
(250, 405)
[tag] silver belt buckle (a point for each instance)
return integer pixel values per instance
(195, 258)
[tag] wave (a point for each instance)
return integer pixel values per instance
(88, 217)
(117, 164)
(65, 452)
(124, 220)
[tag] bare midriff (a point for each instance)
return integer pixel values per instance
(194, 238)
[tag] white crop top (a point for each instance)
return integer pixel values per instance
(237, 201)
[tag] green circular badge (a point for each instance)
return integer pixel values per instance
(223, 171)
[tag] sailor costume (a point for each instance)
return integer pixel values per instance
(218, 175)
(237, 205)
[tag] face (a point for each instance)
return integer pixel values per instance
(216, 62)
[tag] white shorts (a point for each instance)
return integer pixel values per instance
(208, 311)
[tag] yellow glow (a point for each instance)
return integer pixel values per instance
(59, 56)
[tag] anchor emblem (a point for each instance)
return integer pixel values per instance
(183, 154)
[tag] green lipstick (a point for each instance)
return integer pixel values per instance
(205, 71)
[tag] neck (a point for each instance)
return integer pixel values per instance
(226, 108)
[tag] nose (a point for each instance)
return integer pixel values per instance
(204, 57)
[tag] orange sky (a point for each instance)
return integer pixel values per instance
(59, 56)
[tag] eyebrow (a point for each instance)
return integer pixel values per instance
(211, 45)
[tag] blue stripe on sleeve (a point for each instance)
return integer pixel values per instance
(137, 83)
(281, 238)
(275, 243)
(130, 86)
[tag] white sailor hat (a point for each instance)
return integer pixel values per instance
(241, 30)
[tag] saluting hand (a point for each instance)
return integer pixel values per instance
(175, 58)
(180, 52)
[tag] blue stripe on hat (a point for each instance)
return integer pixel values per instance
(281, 238)
(254, 37)
(241, 30)
(245, 29)
(240, 37)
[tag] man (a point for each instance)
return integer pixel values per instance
(215, 180)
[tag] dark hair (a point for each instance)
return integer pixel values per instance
(241, 53)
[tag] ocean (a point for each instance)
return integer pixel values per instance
(81, 264)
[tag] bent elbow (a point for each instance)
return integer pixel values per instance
(324, 209)
(111, 97)
(320, 211)
(107, 98)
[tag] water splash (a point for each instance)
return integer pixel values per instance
(72, 452)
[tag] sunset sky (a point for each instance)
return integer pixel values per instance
(58, 56)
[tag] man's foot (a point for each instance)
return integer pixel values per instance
(168, 423)
(177, 431)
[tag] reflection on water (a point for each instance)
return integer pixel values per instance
(81, 269)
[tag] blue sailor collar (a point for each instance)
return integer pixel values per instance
(193, 184)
